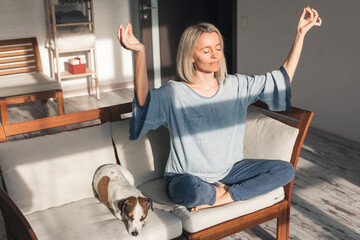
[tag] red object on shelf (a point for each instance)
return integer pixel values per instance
(77, 65)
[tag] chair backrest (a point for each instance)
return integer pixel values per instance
(19, 56)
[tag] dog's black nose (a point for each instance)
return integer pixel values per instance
(134, 233)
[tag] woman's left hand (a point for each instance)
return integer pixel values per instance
(312, 19)
(304, 25)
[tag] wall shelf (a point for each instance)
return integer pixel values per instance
(73, 24)
(77, 50)
(67, 75)
(56, 53)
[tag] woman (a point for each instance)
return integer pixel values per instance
(205, 113)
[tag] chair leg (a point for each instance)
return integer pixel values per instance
(60, 101)
(90, 86)
(283, 224)
(4, 114)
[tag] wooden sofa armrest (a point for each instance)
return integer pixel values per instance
(17, 227)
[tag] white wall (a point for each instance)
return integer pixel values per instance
(24, 18)
(326, 82)
(327, 79)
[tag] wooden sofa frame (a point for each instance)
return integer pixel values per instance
(18, 227)
(22, 56)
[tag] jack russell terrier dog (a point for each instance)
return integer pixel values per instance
(114, 186)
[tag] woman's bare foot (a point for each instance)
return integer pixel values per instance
(220, 190)
(226, 187)
(222, 197)
(197, 208)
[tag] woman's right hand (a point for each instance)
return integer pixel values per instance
(128, 40)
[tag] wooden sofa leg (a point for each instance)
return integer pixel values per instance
(60, 101)
(4, 114)
(283, 224)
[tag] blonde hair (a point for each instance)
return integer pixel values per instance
(185, 68)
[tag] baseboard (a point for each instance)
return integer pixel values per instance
(105, 88)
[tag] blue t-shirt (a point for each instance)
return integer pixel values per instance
(206, 133)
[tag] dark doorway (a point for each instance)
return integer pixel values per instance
(175, 16)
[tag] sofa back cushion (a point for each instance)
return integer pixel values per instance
(146, 157)
(57, 169)
(267, 138)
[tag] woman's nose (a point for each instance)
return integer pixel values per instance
(213, 54)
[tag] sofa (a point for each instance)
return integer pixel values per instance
(47, 180)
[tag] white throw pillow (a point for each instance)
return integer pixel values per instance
(53, 170)
(267, 138)
(146, 157)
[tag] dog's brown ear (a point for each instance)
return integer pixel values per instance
(122, 205)
(149, 203)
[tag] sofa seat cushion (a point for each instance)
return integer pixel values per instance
(54, 170)
(25, 83)
(196, 221)
(90, 219)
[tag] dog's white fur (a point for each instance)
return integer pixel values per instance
(120, 190)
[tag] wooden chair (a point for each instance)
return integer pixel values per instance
(21, 76)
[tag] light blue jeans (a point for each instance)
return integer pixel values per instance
(247, 179)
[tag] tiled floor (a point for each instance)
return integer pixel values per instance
(326, 193)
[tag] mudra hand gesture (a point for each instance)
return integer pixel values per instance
(304, 25)
(128, 40)
(312, 19)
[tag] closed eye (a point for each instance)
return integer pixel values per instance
(131, 217)
(142, 218)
